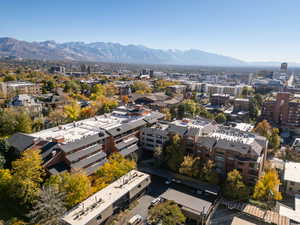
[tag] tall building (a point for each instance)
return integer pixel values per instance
(284, 67)
(283, 110)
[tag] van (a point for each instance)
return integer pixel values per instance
(135, 220)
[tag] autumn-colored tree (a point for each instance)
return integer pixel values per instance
(220, 118)
(264, 128)
(72, 111)
(235, 187)
(116, 167)
(190, 166)
(208, 173)
(27, 175)
(57, 116)
(161, 84)
(166, 213)
(5, 182)
(76, 186)
(141, 87)
(125, 99)
(267, 187)
(168, 115)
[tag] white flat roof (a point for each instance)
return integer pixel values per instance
(291, 213)
(244, 126)
(77, 130)
(185, 122)
(98, 202)
(292, 172)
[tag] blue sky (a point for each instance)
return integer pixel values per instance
(252, 30)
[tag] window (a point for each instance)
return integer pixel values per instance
(139, 186)
(292, 183)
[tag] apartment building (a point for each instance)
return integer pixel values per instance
(235, 90)
(241, 104)
(100, 206)
(85, 145)
(228, 147)
(283, 110)
(12, 88)
(220, 99)
(26, 102)
(292, 178)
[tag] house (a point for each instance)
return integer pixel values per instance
(27, 102)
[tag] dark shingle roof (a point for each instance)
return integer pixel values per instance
(207, 142)
(126, 127)
(154, 117)
(123, 144)
(58, 168)
(129, 150)
(21, 141)
(177, 129)
(81, 153)
(83, 142)
(84, 162)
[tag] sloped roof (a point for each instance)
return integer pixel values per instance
(21, 141)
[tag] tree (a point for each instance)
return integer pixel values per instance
(48, 208)
(274, 139)
(28, 174)
(116, 167)
(7, 123)
(5, 182)
(174, 153)
(235, 187)
(263, 128)
(166, 213)
(72, 111)
(208, 174)
(221, 118)
(23, 122)
(125, 99)
(76, 186)
(190, 166)
(141, 87)
(168, 115)
(158, 156)
(266, 187)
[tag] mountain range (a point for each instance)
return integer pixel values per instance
(112, 52)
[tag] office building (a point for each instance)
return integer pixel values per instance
(284, 66)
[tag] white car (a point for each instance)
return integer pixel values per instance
(156, 201)
(168, 182)
(136, 219)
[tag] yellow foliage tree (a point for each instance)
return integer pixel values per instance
(27, 175)
(72, 111)
(190, 166)
(76, 186)
(267, 186)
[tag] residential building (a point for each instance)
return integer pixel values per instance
(27, 102)
(220, 99)
(197, 210)
(267, 84)
(234, 90)
(103, 204)
(86, 144)
(241, 104)
(177, 89)
(229, 148)
(283, 110)
(12, 88)
(292, 178)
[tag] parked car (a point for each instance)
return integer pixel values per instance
(155, 202)
(168, 182)
(136, 219)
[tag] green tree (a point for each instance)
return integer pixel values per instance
(5, 182)
(158, 156)
(76, 186)
(48, 208)
(7, 123)
(28, 174)
(141, 87)
(166, 213)
(24, 122)
(174, 153)
(267, 187)
(220, 118)
(274, 139)
(235, 187)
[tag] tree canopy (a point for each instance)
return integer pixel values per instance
(235, 187)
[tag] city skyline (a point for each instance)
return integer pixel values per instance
(256, 31)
